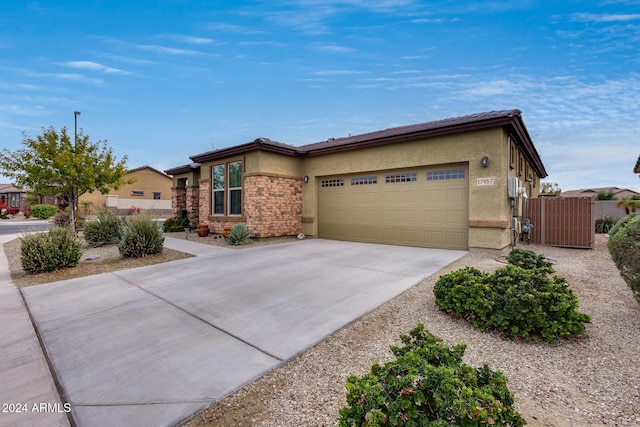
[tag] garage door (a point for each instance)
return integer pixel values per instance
(427, 207)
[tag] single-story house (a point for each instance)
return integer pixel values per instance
(454, 183)
(620, 193)
(13, 197)
(150, 191)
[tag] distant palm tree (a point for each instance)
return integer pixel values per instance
(628, 204)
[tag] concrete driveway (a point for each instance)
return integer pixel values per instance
(154, 345)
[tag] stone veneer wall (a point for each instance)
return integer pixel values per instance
(273, 205)
(203, 202)
(193, 205)
(178, 200)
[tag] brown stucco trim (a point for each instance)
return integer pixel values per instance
(225, 218)
(308, 219)
(489, 223)
(274, 175)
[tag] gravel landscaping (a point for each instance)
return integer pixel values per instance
(590, 380)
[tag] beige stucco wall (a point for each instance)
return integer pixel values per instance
(488, 204)
(147, 180)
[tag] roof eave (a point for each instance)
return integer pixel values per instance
(258, 144)
(183, 169)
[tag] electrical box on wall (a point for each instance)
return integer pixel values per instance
(512, 187)
(517, 207)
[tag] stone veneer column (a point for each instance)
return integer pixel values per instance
(203, 202)
(273, 205)
(192, 197)
(178, 200)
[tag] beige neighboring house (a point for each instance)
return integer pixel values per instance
(458, 183)
(620, 193)
(151, 191)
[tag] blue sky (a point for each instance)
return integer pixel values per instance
(163, 80)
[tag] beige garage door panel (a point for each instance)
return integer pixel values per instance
(429, 213)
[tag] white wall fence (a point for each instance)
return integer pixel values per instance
(608, 208)
(116, 202)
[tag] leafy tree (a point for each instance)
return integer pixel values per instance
(549, 188)
(53, 164)
(606, 195)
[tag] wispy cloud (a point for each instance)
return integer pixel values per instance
(338, 73)
(198, 41)
(93, 66)
(168, 50)
(65, 76)
(604, 17)
(332, 48)
(127, 59)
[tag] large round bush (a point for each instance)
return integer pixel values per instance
(516, 301)
(624, 246)
(428, 385)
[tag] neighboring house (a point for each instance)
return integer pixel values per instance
(441, 184)
(620, 193)
(13, 197)
(150, 191)
(637, 168)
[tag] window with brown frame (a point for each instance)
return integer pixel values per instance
(226, 189)
(521, 163)
(512, 156)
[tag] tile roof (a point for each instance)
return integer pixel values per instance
(146, 167)
(510, 119)
(453, 123)
(594, 191)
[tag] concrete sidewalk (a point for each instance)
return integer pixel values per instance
(154, 345)
(26, 382)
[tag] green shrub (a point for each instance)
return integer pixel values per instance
(61, 219)
(605, 224)
(428, 385)
(104, 230)
(139, 236)
(175, 224)
(529, 260)
(624, 246)
(239, 235)
(43, 211)
(53, 250)
(513, 300)
(622, 223)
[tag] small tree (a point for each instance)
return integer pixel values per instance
(53, 164)
(628, 204)
(550, 188)
(606, 195)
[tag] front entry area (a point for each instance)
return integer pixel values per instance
(425, 207)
